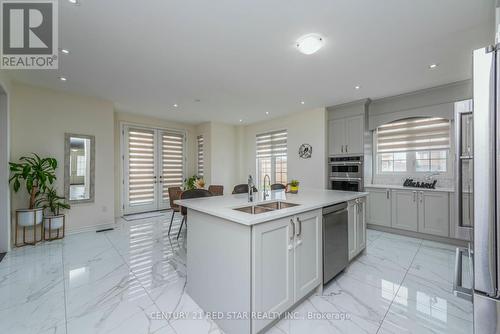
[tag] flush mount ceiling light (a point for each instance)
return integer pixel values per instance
(433, 66)
(310, 43)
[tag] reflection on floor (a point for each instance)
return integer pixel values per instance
(118, 281)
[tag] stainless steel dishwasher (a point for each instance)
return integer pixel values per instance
(335, 241)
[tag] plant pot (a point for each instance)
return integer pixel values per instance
(29, 217)
(294, 190)
(53, 222)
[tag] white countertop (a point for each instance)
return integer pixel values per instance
(393, 186)
(308, 199)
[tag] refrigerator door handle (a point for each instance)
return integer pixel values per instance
(458, 288)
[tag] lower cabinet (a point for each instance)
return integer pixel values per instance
(404, 210)
(356, 231)
(286, 263)
(412, 210)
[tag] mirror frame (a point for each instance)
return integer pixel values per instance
(67, 148)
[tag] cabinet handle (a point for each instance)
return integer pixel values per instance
(293, 228)
(299, 232)
(342, 148)
(387, 193)
(414, 196)
(346, 149)
(421, 196)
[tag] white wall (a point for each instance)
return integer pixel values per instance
(122, 117)
(4, 167)
(39, 119)
(304, 127)
(224, 158)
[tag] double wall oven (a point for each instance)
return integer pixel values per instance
(346, 173)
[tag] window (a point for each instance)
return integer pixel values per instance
(271, 157)
(80, 165)
(413, 145)
(200, 156)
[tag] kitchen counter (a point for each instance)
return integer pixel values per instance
(307, 199)
(393, 186)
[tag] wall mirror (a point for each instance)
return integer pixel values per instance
(79, 168)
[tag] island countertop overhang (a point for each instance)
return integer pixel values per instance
(307, 199)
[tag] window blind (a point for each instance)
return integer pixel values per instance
(272, 144)
(200, 156)
(141, 169)
(414, 134)
(172, 153)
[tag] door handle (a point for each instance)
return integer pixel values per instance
(458, 289)
(299, 231)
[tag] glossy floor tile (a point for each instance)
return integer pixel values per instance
(133, 280)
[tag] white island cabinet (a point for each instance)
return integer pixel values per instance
(245, 270)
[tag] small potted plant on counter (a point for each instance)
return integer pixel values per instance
(294, 186)
(55, 220)
(36, 173)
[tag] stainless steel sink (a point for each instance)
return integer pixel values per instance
(265, 207)
(278, 205)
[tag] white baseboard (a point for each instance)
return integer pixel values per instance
(91, 228)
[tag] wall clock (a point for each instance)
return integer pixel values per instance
(305, 151)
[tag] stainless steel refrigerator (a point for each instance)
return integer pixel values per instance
(486, 189)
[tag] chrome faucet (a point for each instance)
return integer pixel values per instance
(250, 188)
(265, 191)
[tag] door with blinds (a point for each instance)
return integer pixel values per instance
(153, 161)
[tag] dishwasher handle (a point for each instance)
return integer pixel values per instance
(333, 208)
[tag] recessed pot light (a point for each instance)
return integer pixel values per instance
(63, 78)
(65, 51)
(432, 66)
(310, 43)
(302, 102)
(357, 87)
(175, 105)
(241, 120)
(74, 2)
(267, 112)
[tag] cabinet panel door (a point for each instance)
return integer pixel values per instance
(272, 262)
(433, 217)
(352, 229)
(308, 253)
(405, 209)
(379, 207)
(361, 225)
(336, 136)
(354, 135)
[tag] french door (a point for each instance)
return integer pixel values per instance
(153, 161)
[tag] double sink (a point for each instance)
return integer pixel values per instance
(265, 207)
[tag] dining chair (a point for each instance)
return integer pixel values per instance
(174, 193)
(242, 189)
(193, 193)
(216, 190)
(278, 186)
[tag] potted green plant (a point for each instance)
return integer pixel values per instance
(194, 182)
(36, 173)
(294, 186)
(50, 200)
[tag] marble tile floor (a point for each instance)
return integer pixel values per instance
(118, 281)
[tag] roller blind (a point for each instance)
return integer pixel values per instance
(141, 189)
(200, 156)
(172, 153)
(272, 144)
(414, 134)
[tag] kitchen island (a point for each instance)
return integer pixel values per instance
(248, 263)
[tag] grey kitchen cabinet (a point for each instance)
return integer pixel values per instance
(405, 209)
(356, 212)
(286, 263)
(379, 206)
(345, 135)
(433, 213)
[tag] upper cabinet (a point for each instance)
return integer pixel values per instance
(345, 135)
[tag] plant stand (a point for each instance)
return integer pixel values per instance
(27, 218)
(52, 223)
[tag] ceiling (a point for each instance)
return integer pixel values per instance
(232, 60)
